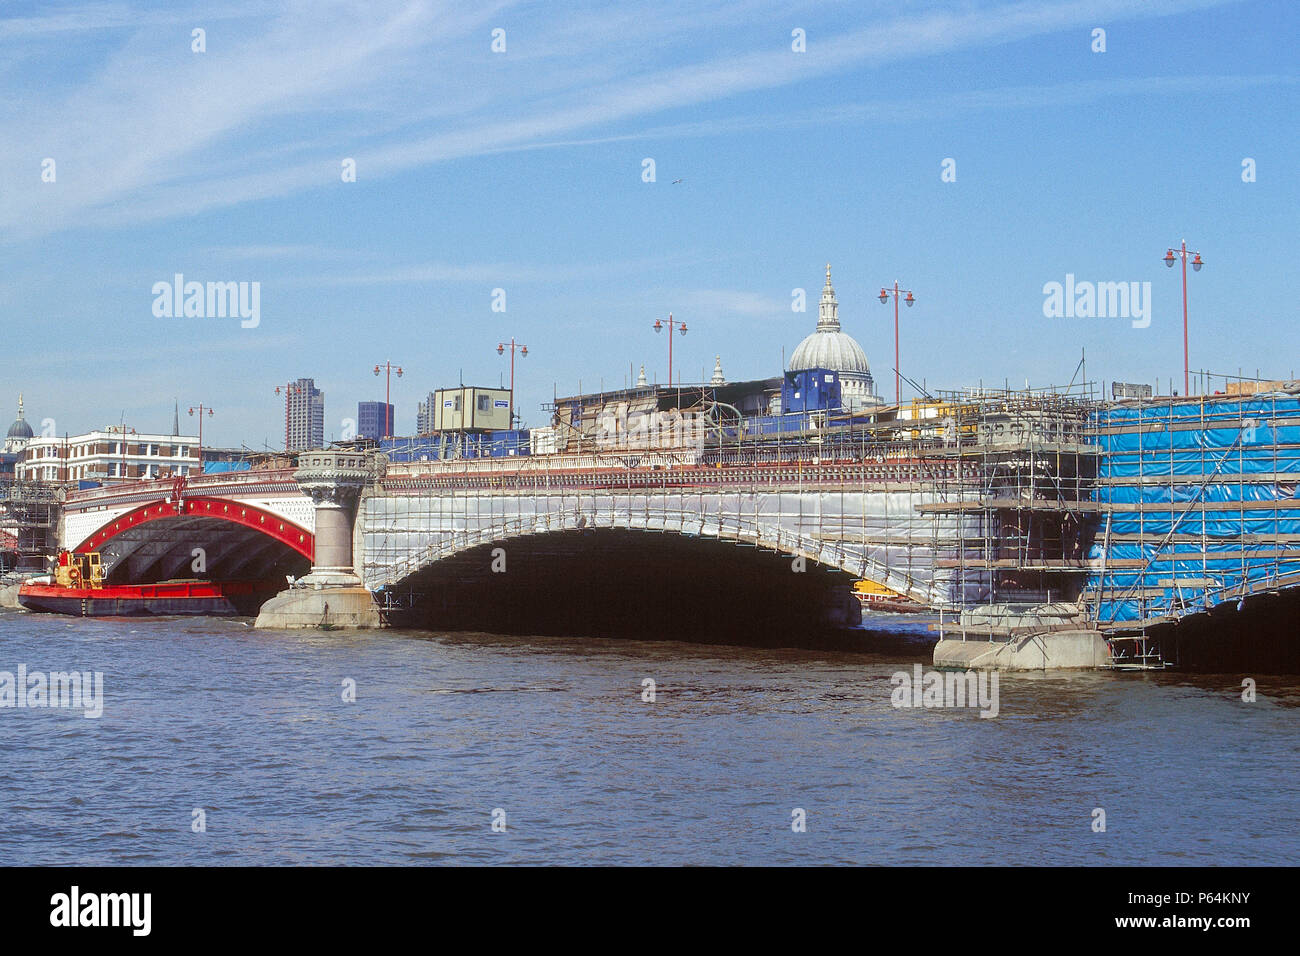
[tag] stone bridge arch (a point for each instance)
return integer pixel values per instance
(397, 547)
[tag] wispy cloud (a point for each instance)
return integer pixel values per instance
(497, 273)
(155, 131)
(299, 252)
(907, 110)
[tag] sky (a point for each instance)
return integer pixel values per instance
(975, 151)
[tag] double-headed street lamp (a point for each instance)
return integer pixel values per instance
(673, 326)
(388, 368)
(288, 390)
(523, 353)
(1196, 264)
(884, 298)
(201, 409)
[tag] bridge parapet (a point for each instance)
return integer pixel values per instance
(224, 484)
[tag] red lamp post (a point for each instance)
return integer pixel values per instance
(884, 298)
(523, 353)
(672, 326)
(201, 408)
(388, 368)
(288, 390)
(1196, 264)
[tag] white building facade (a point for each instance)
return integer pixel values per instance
(107, 455)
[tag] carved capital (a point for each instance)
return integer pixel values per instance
(325, 493)
(333, 479)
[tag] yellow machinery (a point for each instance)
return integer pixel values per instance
(79, 570)
(875, 592)
(937, 420)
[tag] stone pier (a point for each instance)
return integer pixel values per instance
(331, 595)
(1022, 637)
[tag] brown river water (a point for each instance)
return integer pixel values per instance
(552, 738)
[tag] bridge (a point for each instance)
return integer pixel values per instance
(348, 526)
(1143, 524)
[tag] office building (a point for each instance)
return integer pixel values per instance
(375, 420)
(305, 416)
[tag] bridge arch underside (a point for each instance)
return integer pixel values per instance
(883, 535)
(165, 548)
(609, 582)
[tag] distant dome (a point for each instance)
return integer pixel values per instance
(20, 429)
(836, 351)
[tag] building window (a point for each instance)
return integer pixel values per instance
(485, 403)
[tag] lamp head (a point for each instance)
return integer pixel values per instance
(1197, 263)
(659, 326)
(1169, 258)
(884, 296)
(683, 328)
(909, 300)
(524, 350)
(501, 349)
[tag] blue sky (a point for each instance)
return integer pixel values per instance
(522, 170)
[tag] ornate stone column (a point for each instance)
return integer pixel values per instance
(331, 595)
(333, 480)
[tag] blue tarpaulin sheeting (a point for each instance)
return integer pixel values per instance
(1185, 456)
(221, 467)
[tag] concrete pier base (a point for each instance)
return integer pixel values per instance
(322, 608)
(9, 595)
(1053, 650)
(9, 588)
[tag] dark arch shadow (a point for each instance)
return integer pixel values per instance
(635, 584)
(165, 548)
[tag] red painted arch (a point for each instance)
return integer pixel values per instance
(237, 512)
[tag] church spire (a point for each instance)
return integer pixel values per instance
(20, 406)
(718, 378)
(828, 311)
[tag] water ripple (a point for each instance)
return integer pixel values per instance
(447, 730)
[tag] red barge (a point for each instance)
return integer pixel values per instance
(77, 587)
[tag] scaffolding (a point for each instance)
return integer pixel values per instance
(962, 498)
(1200, 499)
(29, 510)
(1028, 467)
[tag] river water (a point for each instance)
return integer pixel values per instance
(251, 727)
